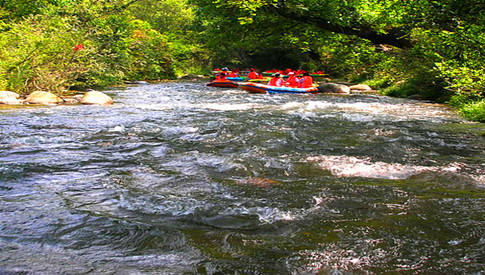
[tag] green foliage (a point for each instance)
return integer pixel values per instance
(57, 45)
(127, 48)
(175, 19)
(37, 54)
(474, 111)
(347, 57)
(169, 17)
(14, 9)
(439, 49)
(190, 58)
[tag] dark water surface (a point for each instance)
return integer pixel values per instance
(177, 178)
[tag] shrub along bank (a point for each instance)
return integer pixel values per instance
(61, 45)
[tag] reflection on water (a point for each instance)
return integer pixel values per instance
(178, 178)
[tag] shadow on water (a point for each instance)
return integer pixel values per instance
(177, 178)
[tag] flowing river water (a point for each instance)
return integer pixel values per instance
(178, 178)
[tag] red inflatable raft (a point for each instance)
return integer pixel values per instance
(262, 88)
(223, 84)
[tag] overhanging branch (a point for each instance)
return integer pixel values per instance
(393, 37)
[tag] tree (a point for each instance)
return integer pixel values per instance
(411, 46)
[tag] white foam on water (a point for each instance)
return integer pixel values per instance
(163, 106)
(119, 128)
(270, 215)
(180, 130)
(171, 205)
(310, 106)
(209, 106)
(267, 215)
(366, 111)
(229, 106)
(176, 262)
(333, 259)
(358, 117)
(345, 166)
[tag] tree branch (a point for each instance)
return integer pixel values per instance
(393, 37)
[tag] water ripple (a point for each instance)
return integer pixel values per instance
(178, 178)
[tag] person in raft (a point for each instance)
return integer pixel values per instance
(306, 81)
(221, 76)
(234, 73)
(292, 81)
(276, 80)
(253, 74)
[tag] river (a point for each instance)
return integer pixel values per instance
(178, 178)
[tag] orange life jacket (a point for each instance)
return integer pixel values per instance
(275, 81)
(307, 82)
(253, 75)
(220, 76)
(292, 81)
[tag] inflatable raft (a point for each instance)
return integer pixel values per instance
(223, 84)
(262, 88)
(237, 79)
(240, 78)
(260, 80)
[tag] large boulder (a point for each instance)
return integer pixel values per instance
(360, 87)
(95, 97)
(44, 98)
(7, 97)
(334, 88)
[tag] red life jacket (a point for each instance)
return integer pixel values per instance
(221, 76)
(307, 82)
(276, 81)
(292, 81)
(253, 75)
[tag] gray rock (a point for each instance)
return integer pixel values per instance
(334, 88)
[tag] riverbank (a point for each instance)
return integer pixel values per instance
(47, 98)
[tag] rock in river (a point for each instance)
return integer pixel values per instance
(95, 97)
(360, 87)
(7, 97)
(41, 97)
(334, 88)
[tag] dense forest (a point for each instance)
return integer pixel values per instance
(433, 50)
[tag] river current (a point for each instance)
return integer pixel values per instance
(178, 178)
